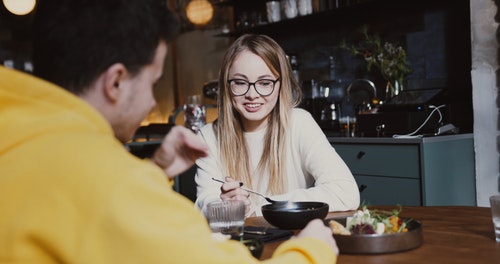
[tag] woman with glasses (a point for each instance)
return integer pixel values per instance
(261, 140)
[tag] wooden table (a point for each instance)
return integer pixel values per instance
(451, 234)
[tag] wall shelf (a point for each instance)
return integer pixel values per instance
(356, 14)
(438, 53)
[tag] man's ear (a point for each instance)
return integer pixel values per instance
(114, 77)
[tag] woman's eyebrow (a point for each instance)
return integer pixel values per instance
(240, 75)
(266, 76)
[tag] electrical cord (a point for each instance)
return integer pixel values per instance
(412, 134)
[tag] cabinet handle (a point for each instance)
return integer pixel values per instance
(362, 187)
(361, 154)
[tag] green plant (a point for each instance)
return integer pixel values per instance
(388, 57)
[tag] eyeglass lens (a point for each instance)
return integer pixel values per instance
(263, 87)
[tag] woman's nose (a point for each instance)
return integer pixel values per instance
(252, 91)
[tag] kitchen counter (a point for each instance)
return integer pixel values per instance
(391, 140)
(437, 170)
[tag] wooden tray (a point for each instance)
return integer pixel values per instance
(379, 244)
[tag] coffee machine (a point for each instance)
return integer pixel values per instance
(323, 100)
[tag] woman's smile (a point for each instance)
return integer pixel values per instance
(253, 108)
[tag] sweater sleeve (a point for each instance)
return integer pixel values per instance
(147, 222)
(309, 250)
(208, 168)
(331, 181)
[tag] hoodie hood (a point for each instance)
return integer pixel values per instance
(30, 106)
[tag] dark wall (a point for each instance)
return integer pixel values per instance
(435, 34)
(15, 38)
(436, 38)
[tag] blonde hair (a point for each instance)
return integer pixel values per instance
(229, 129)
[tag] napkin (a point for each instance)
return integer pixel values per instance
(271, 234)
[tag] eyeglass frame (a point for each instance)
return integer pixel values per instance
(255, 87)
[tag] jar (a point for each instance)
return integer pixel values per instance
(273, 11)
(305, 7)
(289, 8)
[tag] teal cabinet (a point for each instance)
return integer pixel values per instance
(379, 190)
(411, 172)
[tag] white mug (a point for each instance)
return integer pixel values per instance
(273, 11)
(305, 7)
(290, 8)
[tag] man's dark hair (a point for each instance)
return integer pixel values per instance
(76, 40)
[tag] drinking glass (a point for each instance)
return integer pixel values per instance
(194, 113)
(347, 126)
(227, 217)
(273, 11)
(290, 8)
(305, 7)
(495, 214)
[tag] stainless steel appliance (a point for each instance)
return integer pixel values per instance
(323, 100)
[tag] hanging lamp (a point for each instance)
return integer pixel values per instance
(199, 12)
(19, 7)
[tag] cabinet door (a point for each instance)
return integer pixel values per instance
(381, 160)
(389, 190)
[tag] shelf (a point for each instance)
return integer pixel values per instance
(362, 12)
(237, 2)
(438, 53)
(316, 21)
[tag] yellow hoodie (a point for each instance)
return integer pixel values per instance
(71, 193)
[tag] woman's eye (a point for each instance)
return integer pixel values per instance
(240, 82)
(265, 83)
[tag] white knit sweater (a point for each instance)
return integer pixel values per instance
(315, 171)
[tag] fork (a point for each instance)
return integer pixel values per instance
(254, 192)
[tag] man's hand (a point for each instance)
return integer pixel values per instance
(318, 230)
(178, 151)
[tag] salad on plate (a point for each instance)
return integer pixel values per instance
(371, 221)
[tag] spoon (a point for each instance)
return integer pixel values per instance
(254, 192)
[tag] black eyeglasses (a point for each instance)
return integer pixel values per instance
(264, 87)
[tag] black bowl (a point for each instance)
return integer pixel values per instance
(293, 215)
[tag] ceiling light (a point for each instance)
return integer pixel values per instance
(199, 12)
(19, 7)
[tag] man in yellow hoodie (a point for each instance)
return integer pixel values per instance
(69, 190)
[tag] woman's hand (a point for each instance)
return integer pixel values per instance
(231, 190)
